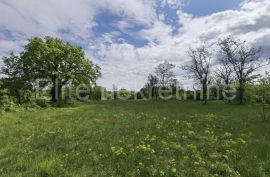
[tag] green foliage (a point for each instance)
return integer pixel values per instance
(59, 61)
(6, 103)
(96, 93)
(52, 59)
(16, 82)
(42, 103)
(126, 94)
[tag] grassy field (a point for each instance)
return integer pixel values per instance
(136, 138)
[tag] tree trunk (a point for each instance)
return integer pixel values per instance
(60, 92)
(156, 92)
(227, 82)
(152, 93)
(56, 90)
(53, 92)
(263, 103)
(205, 96)
(263, 109)
(18, 96)
(163, 94)
(241, 92)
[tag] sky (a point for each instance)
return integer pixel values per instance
(129, 38)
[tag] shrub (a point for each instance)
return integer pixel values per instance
(6, 103)
(43, 103)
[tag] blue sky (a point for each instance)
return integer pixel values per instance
(107, 21)
(207, 7)
(128, 38)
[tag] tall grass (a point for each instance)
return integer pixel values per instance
(136, 138)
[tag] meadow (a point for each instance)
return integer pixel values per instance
(136, 138)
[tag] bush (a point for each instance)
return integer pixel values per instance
(42, 103)
(6, 103)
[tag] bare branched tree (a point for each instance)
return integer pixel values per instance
(224, 72)
(245, 60)
(165, 74)
(199, 67)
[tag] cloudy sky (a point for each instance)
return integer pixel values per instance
(128, 38)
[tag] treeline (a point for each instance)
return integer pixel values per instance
(50, 72)
(226, 71)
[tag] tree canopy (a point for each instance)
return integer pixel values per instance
(52, 59)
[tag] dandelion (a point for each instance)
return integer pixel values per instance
(117, 150)
(225, 157)
(240, 140)
(196, 163)
(173, 170)
(145, 148)
(177, 146)
(207, 132)
(162, 173)
(189, 125)
(227, 135)
(158, 126)
(192, 147)
(191, 133)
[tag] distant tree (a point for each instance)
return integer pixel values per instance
(199, 67)
(245, 60)
(152, 85)
(53, 59)
(165, 74)
(264, 92)
(125, 94)
(114, 92)
(175, 84)
(96, 92)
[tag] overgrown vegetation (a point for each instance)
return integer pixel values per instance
(136, 138)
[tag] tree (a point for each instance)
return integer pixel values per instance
(175, 85)
(97, 92)
(264, 92)
(245, 60)
(15, 80)
(61, 62)
(199, 67)
(224, 72)
(152, 85)
(164, 74)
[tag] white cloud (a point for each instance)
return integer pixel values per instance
(175, 3)
(124, 64)
(250, 22)
(37, 17)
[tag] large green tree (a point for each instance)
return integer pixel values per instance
(58, 62)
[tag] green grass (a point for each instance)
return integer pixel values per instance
(136, 138)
